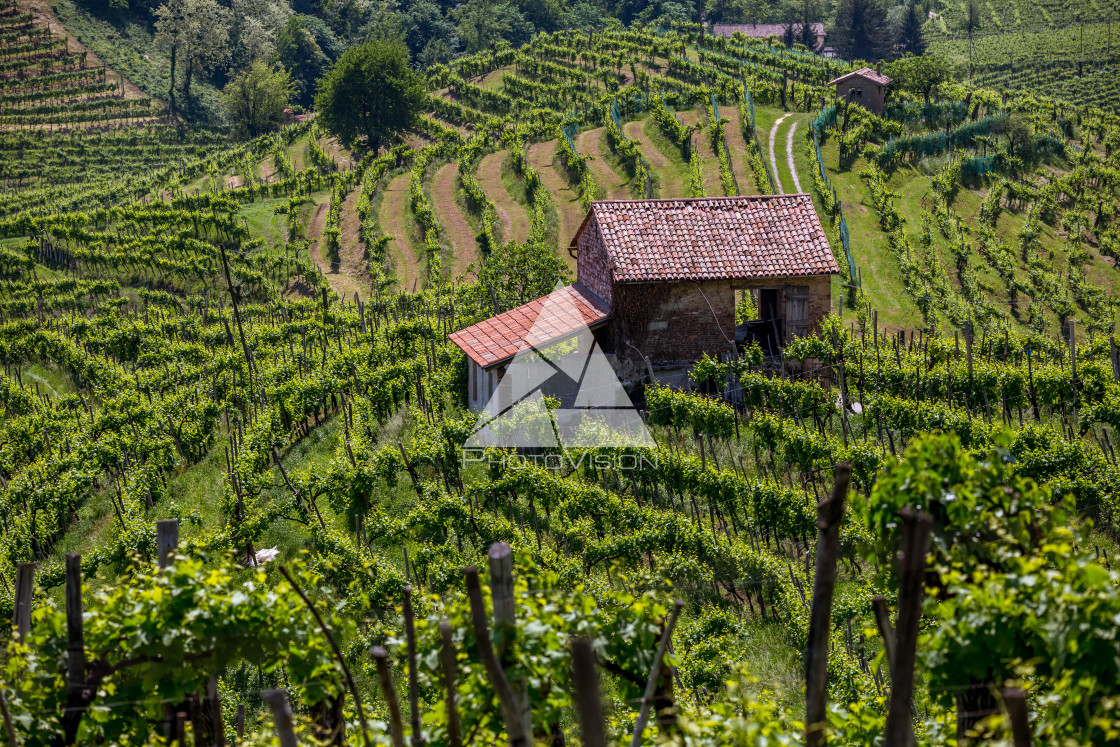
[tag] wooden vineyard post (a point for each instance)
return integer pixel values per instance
(78, 694)
(585, 689)
(911, 580)
(25, 589)
(447, 660)
(517, 737)
(396, 725)
(500, 560)
(883, 621)
(655, 675)
(277, 701)
(413, 686)
(167, 540)
(1015, 700)
(829, 514)
(9, 728)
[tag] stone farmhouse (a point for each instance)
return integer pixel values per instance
(657, 284)
(766, 30)
(865, 87)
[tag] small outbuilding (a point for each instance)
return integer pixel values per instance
(865, 87)
(658, 282)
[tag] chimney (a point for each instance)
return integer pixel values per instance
(879, 67)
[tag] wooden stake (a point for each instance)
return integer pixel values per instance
(396, 725)
(517, 737)
(167, 540)
(21, 613)
(830, 512)
(447, 659)
(911, 579)
(585, 690)
(655, 675)
(413, 696)
(500, 559)
(277, 701)
(1016, 702)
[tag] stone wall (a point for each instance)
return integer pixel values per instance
(871, 94)
(671, 322)
(593, 265)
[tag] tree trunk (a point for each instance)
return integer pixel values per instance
(171, 91)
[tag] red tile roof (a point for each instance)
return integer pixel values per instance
(762, 30)
(712, 238)
(553, 317)
(865, 72)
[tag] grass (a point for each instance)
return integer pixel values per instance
(130, 49)
(265, 223)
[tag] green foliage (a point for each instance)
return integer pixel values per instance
(160, 636)
(256, 99)
(370, 94)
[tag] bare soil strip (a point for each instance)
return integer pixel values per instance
(393, 218)
(737, 147)
(459, 233)
(514, 215)
(709, 163)
(612, 186)
(564, 196)
(668, 176)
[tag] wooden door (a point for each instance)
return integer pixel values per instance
(796, 310)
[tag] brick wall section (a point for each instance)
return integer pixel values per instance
(593, 265)
(872, 94)
(687, 320)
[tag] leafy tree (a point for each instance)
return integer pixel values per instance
(970, 24)
(910, 39)
(806, 34)
(860, 30)
(545, 15)
(435, 52)
(371, 93)
(196, 32)
(731, 11)
(484, 23)
(586, 15)
(256, 26)
(424, 23)
(919, 74)
(520, 272)
(306, 47)
(256, 99)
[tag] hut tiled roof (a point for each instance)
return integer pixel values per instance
(712, 238)
(555, 316)
(762, 30)
(864, 72)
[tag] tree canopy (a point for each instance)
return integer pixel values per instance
(255, 100)
(370, 94)
(861, 31)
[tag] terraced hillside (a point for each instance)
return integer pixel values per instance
(249, 343)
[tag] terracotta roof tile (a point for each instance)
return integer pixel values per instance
(552, 317)
(761, 30)
(713, 238)
(865, 72)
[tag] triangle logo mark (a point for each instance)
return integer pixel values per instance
(594, 410)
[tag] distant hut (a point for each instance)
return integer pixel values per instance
(657, 284)
(865, 87)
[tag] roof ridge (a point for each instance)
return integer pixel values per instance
(725, 198)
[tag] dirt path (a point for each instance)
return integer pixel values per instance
(668, 176)
(459, 233)
(344, 275)
(611, 184)
(394, 222)
(789, 158)
(709, 163)
(737, 147)
(514, 215)
(774, 154)
(568, 211)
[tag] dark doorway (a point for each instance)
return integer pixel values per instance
(767, 330)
